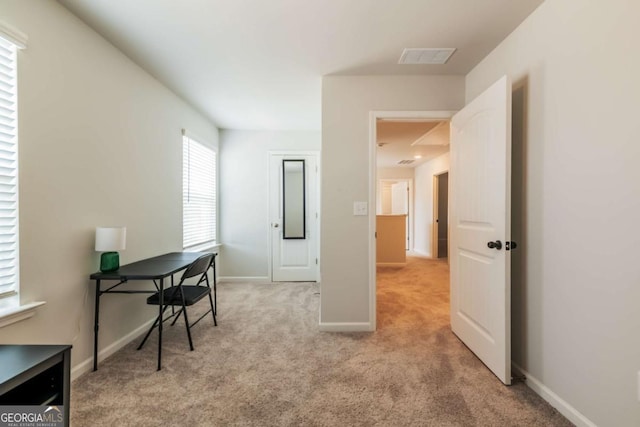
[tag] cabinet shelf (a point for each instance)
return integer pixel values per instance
(35, 375)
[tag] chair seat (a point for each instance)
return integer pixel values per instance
(173, 296)
(192, 294)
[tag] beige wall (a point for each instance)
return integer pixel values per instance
(424, 203)
(346, 106)
(394, 173)
(244, 203)
(100, 144)
(576, 290)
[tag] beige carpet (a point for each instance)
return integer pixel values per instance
(266, 364)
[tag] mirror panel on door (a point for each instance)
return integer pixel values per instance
(293, 199)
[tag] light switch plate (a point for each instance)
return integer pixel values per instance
(360, 208)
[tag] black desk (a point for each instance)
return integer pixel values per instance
(36, 375)
(155, 269)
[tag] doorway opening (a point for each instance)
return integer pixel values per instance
(440, 241)
(404, 148)
(395, 197)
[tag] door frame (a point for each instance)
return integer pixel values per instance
(435, 115)
(435, 233)
(271, 153)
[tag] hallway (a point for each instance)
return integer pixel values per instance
(413, 312)
(416, 293)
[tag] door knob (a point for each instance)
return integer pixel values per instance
(495, 245)
(276, 225)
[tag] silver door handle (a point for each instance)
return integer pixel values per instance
(276, 225)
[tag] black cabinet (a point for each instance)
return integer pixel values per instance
(35, 375)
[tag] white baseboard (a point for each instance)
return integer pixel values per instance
(249, 279)
(391, 264)
(571, 413)
(87, 365)
(345, 327)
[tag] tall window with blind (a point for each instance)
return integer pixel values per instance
(8, 172)
(199, 194)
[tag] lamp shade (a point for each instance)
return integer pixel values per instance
(110, 238)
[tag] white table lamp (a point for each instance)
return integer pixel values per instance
(109, 240)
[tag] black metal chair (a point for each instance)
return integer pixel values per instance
(186, 295)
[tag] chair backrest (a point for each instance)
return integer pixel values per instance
(199, 266)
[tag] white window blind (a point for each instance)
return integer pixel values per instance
(8, 169)
(198, 193)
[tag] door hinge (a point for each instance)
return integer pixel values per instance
(316, 261)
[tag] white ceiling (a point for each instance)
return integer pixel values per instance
(251, 64)
(400, 141)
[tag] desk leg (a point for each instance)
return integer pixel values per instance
(96, 326)
(160, 313)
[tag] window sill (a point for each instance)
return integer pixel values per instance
(15, 314)
(204, 247)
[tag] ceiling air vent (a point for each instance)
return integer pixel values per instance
(406, 162)
(426, 55)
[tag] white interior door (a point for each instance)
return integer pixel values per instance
(480, 227)
(400, 198)
(293, 214)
